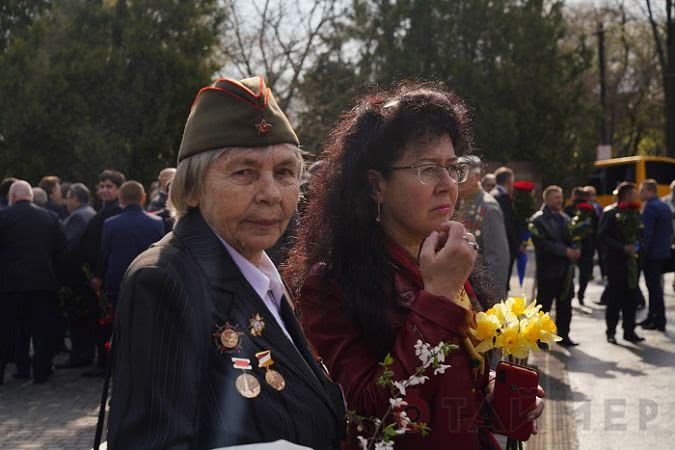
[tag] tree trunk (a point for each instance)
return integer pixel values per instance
(669, 81)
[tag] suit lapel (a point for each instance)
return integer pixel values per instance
(234, 299)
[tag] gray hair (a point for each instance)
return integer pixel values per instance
(80, 192)
(20, 190)
(188, 182)
(40, 197)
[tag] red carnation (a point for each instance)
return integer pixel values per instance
(584, 207)
(526, 186)
(108, 346)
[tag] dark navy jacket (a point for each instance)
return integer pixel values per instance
(125, 236)
(658, 231)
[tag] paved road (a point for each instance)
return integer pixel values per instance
(607, 397)
(599, 396)
(60, 414)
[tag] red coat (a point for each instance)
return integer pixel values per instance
(449, 402)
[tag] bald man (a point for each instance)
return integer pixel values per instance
(31, 247)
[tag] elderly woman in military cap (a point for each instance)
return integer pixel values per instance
(207, 349)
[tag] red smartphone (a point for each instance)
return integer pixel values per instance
(514, 397)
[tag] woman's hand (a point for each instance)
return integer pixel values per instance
(446, 259)
(536, 411)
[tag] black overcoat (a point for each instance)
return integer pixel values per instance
(173, 387)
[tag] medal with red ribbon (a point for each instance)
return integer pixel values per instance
(247, 385)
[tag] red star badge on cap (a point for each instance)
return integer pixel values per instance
(263, 127)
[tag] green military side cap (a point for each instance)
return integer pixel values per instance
(232, 113)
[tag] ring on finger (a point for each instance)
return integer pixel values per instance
(473, 244)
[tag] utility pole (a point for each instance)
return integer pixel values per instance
(604, 140)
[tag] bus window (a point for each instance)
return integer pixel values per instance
(597, 179)
(662, 172)
(618, 174)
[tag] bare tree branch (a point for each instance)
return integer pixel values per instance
(657, 38)
(270, 37)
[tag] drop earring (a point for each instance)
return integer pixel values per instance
(378, 218)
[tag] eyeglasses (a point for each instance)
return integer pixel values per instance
(429, 173)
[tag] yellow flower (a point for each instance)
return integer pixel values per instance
(547, 329)
(511, 342)
(519, 306)
(503, 313)
(531, 332)
(485, 331)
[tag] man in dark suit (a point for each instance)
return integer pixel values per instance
(587, 246)
(81, 329)
(656, 242)
(621, 298)
(207, 349)
(109, 182)
(31, 245)
(553, 256)
(5, 184)
(127, 235)
(503, 193)
(52, 186)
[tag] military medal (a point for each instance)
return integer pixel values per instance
(247, 385)
(272, 377)
(257, 325)
(227, 338)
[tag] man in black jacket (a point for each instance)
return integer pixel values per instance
(620, 297)
(553, 255)
(31, 245)
(108, 189)
(503, 193)
(587, 246)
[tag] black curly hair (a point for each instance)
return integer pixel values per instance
(338, 227)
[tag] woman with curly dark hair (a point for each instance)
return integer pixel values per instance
(379, 265)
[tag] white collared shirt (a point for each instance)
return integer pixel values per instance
(265, 281)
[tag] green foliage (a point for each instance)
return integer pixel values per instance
(93, 85)
(387, 376)
(503, 56)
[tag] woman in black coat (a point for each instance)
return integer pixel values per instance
(207, 349)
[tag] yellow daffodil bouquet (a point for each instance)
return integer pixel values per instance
(515, 327)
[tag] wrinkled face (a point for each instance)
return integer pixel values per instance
(72, 203)
(411, 210)
(107, 191)
(554, 200)
(249, 196)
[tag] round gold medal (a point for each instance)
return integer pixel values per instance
(247, 385)
(274, 379)
(229, 338)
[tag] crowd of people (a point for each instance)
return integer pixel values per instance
(488, 213)
(62, 263)
(401, 239)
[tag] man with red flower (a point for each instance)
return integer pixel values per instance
(580, 205)
(620, 239)
(554, 255)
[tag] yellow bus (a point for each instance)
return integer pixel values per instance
(608, 173)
